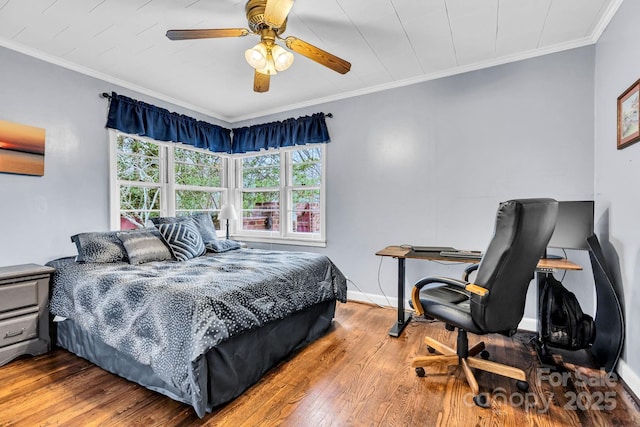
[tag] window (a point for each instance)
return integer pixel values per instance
(139, 177)
(305, 176)
(281, 195)
(160, 179)
(260, 183)
(198, 179)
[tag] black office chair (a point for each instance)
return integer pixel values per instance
(494, 303)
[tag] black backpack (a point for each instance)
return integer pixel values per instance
(564, 325)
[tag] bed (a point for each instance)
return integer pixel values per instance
(201, 330)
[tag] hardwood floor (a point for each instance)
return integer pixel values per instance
(356, 375)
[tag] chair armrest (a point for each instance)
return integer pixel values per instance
(475, 289)
(415, 292)
(468, 271)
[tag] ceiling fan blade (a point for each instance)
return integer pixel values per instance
(276, 11)
(206, 34)
(261, 82)
(318, 55)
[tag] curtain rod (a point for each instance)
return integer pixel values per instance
(106, 95)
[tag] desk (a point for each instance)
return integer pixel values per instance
(545, 266)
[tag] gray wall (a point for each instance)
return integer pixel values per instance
(617, 174)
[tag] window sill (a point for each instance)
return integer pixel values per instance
(281, 241)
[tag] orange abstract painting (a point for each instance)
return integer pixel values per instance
(21, 149)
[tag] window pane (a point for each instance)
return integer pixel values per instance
(263, 160)
(138, 160)
(307, 174)
(129, 145)
(305, 217)
(197, 168)
(261, 171)
(307, 166)
(198, 200)
(307, 155)
(306, 196)
(138, 204)
(138, 168)
(261, 211)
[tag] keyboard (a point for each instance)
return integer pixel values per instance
(462, 254)
(432, 248)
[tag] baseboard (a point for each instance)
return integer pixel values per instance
(374, 299)
(630, 378)
(528, 324)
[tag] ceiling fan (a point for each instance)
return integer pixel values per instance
(268, 19)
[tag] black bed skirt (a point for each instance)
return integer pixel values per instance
(226, 371)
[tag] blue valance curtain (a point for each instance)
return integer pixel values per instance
(138, 118)
(303, 130)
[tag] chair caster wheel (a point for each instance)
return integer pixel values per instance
(481, 400)
(420, 372)
(522, 385)
(431, 349)
(484, 354)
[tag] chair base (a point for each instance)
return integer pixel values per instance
(464, 357)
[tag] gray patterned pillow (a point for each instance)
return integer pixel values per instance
(167, 219)
(99, 247)
(183, 239)
(205, 225)
(203, 222)
(222, 245)
(144, 245)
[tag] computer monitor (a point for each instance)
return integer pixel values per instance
(573, 225)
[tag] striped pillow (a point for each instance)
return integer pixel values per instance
(183, 238)
(144, 245)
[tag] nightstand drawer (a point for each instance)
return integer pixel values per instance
(16, 295)
(18, 329)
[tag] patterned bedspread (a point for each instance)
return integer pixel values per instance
(167, 314)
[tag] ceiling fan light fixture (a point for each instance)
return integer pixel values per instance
(257, 56)
(282, 58)
(270, 67)
(268, 20)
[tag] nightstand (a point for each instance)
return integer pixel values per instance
(24, 311)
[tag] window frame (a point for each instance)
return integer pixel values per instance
(285, 234)
(167, 184)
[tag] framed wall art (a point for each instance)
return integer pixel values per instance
(21, 149)
(628, 125)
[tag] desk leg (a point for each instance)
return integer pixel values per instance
(403, 318)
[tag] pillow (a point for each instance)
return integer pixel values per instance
(144, 245)
(183, 238)
(222, 245)
(203, 223)
(167, 219)
(99, 247)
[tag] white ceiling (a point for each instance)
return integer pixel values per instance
(389, 43)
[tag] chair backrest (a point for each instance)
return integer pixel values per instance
(523, 229)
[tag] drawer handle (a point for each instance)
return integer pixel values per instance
(12, 334)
